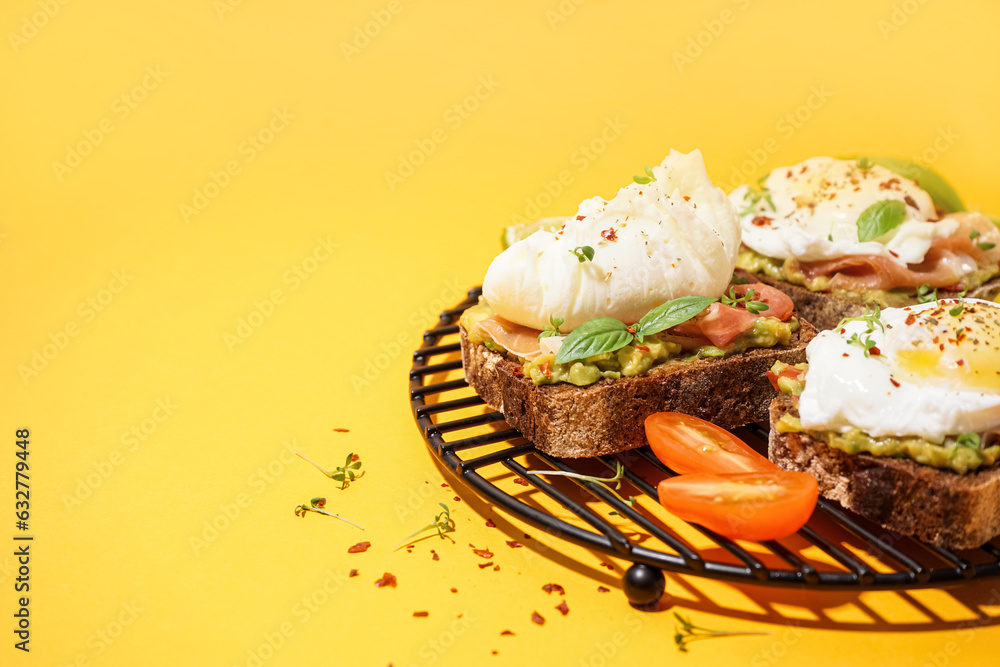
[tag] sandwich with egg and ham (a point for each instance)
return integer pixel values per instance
(629, 308)
(837, 235)
(897, 414)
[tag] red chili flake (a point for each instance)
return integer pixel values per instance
(610, 234)
(554, 588)
(386, 580)
(519, 371)
(537, 618)
(421, 614)
(342, 430)
(496, 568)
(359, 547)
(579, 217)
(353, 573)
(941, 347)
(444, 485)
(520, 480)
(456, 499)
(888, 185)
(857, 188)
(893, 253)
(910, 319)
(527, 537)
(490, 524)
(454, 590)
(494, 652)
(602, 589)
(563, 608)
(845, 355)
(874, 351)
(832, 195)
(514, 544)
(843, 330)
(761, 221)
(482, 553)
(545, 369)
(483, 566)
(894, 382)
(507, 633)
(686, 198)
(642, 347)
(608, 565)
(434, 555)
(960, 362)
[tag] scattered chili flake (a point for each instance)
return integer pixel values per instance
(607, 565)
(444, 485)
(563, 608)
(686, 198)
(359, 547)
(520, 480)
(496, 568)
(960, 362)
(386, 580)
(602, 589)
(483, 566)
(761, 221)
(495, 652)
(554, 588)
(610, 234)
(909, 200)
(434, 555)
(514, 544)
(580, 217)
(545, 369)
(421, 614)
(894, 382)
(910, 319)
(537, 618)
(507, 633)
(456, 499)
(482, 553)
(527, 537)
(845, 355)
(353, 573)
(342, 430)
(874, 351)
(894, 253)
(519, 371)
(454, 590)
(490, 524)
(641, 347)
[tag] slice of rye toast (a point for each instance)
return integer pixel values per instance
(825, 311)
(938, 506)
(606, 417)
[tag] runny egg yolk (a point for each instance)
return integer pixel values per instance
(955, 345)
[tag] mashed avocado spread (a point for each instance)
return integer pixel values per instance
(631, 360)
(950, 454)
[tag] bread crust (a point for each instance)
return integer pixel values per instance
(937, 506)
(606, 417)
(825, 311)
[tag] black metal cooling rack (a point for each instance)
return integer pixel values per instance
(889, 562)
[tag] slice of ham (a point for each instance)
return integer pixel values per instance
(515, 338)
(944, 265)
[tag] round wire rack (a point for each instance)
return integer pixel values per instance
(835, 550)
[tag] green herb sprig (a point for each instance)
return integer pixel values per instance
(606, 334)
(688, 632)
(603, 481)
(970, 440)
(957, 310)
(753, 307)
(552, 329)
(344, 474)
(648, 178)
(584, 253)
(317, 505)
(880, 218)
(443, 524)
(872, 318)
(925, 294)
(864, 164)
(984, 246)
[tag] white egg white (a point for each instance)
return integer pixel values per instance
(676, 236)
(846, 389)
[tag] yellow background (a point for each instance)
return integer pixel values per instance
(123, 310)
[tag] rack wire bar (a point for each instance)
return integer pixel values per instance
(890, 562)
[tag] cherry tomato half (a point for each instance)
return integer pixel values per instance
(743, 506)
(688, 444)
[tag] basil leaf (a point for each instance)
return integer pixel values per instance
(880, 218)
(605, 334)
(671, 313)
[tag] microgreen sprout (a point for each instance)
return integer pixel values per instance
(864, 164)
(648, 178)
(584, 253)
(689, 632)
(344, 474)
(984, 246)
(603, 481)
(753, 307)
(753, 197)
(443, 523)
(957, 310)
(971, 440)
(738, 280)
(925, 294)
(552, 329)
(317, 505)
(872, 317)
(867, 343)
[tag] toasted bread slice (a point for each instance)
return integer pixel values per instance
(606, 417)
(825, 311)
(938, 506)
